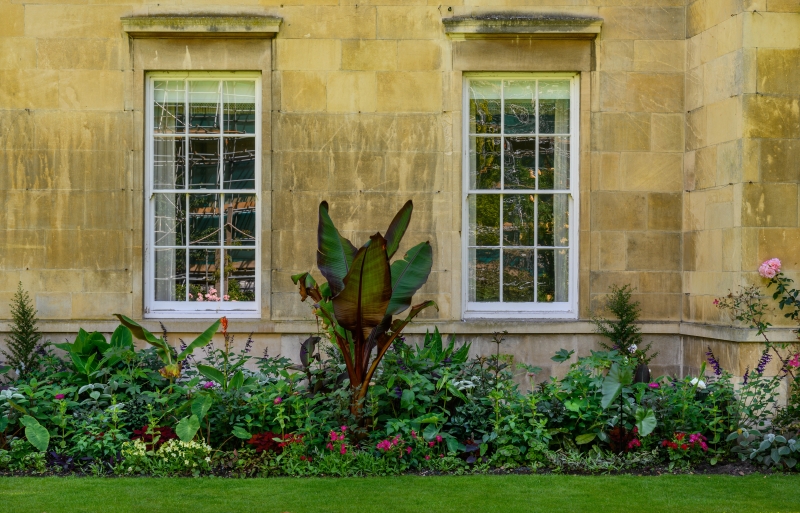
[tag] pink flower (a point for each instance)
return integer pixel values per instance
(439, 438)
(342, 449)
(199, 296)
(634, 443)
(334, 436)
(795, 361)
(341, 437)
(191, 296)
(277, 400)
(413, 434)
(226, 297)
(431, 444)
(427, 456)
(329, 446)
(653, 385)
(208, 384)
(715, 302)
(770, 268)
(408, 449)
(343, 428)
(60, 396)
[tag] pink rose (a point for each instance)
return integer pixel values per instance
(770, 268)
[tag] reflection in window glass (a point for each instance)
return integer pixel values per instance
(519, 190)
(204, 204)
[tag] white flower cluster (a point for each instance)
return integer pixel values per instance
(174, 455)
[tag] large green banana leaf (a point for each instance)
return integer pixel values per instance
(408, 275)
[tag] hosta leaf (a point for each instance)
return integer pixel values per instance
(36, 434)
(584, 438)
(200, 406)
(645, 420)
(408, 275)
(240, 432)
(187, 428)
(335, 254)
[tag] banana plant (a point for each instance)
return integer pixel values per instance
(364, 291)
(172, 366)
(92, 356)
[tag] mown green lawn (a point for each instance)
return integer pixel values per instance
(457, 494)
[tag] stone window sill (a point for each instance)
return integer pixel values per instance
(528, 26)
(217, 26)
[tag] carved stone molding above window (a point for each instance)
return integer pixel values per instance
(522, 26)
(201, 25)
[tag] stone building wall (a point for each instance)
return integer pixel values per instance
(689, 126)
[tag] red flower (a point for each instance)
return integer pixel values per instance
(224, 322)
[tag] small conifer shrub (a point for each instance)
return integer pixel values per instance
(22, 345)
(623, 333)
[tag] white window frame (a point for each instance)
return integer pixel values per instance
(195, 309)
(536, 310)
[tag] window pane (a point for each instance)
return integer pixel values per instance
(240, 163)
(204, 104)
(546, 278)
(484, 163)
(484, 107)
(170, 274)
(204, 219)
(240, 273)
(484, 219)
(203, 163)
(520, 107)
(546, 163)
(240, 219)
(519, 270)
(519, 220)
(169, 104)
(170, 220)
(484, 275)
(553, 220)
(169, 163)
(240, 107)
(554, 163)
(554, 107)
(203, 274)
(520, 163)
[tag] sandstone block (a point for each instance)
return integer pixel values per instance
(778, 70)
(621, 131)
(329, 22)
(355, 172)
(664, 211)
(362, 54)
(667, 132)
(659, 56)
(705, 167)
(655, 92)
(771, 116)
(419, 55)
(303, 91)
(71, 53)
(619, 211)
(83, 130)
(769, 204)
(352, 91)
(613, 91)
(611, 251)
(90, 90)
(307, 54)
(108, 281)
(661, 172)
(12, 20)
(22, 249)
(625, 22)
(300, 170)
(54, 305)
(74, 21)
(772, 30)
(654, 251)
(17, 52)
(615, 55)
(101, 305)
(409, 91)
(724, 120)
(409, 23)
(779, 158)
(28, 89)
(696, 129)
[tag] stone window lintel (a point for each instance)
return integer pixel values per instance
(527, 26)
(201, 25)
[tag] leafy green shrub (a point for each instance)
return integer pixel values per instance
(624, 334)
(172, 458)
(768, 449)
